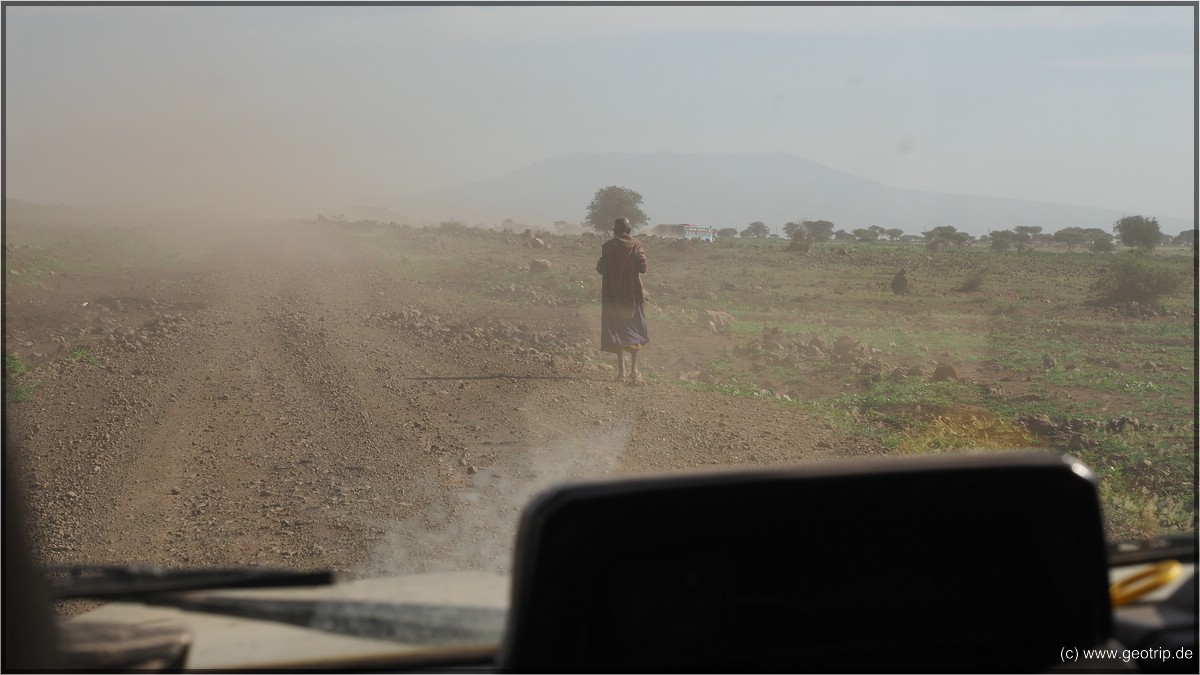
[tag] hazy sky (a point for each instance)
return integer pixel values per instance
(287, 110)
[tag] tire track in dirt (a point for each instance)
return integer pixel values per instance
(285, 425)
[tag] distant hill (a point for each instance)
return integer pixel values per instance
(733, 190)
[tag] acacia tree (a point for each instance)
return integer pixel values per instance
(944, 235)
(894, 233)
(1071, 236)
(726, 232)
(802, 239)
(865, 235)
(819, 230)
(1138, 231)
(1003, 240)
(1024, 236)
(1098, 240)
(614, 202)
(756, 230)
(1102, 242)
(814, 230)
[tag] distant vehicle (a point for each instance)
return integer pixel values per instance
(700, 232)
(686, 231)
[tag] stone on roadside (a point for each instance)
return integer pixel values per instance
(1039, 424)
(718, 322)
(943, 372)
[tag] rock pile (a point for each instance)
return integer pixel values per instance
(717, 322)
(1075, 432)
(848, 349)
(115, 336)
(489, 332)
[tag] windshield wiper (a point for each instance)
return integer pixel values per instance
(135, 581)
(1181, 546)
(185, 589)
(409, 623)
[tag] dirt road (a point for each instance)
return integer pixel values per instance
(291, 401)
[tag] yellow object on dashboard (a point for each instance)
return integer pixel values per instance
(1153, 577)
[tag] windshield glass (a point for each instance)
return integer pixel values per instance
(344, 287)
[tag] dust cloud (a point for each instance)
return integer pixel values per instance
(477, 532)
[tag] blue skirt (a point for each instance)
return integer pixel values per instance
(621, 332)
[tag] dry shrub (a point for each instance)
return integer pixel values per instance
(1135, 277)
(971, 284)
(966, 432)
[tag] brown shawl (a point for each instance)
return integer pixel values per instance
(622, 260)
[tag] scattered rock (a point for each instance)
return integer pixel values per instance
(1039, 425)
(848, 349)
(1134, 309)
(539, 264)
(718, 322)
(772, 334)
(873, 370)
(1078, 424)
(1049, 362)
(944, 371)
(1122, 424)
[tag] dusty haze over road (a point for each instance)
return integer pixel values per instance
(291, 399)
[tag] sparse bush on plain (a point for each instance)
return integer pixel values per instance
(1135, 277)
(453, 227)
(801, 242)
(972, 283)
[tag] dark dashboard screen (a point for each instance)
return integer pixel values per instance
(923, 568)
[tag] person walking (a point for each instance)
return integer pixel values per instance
(622, 315)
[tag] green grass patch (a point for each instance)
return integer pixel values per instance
(81, 355)
(19, 383)
(13, 365)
